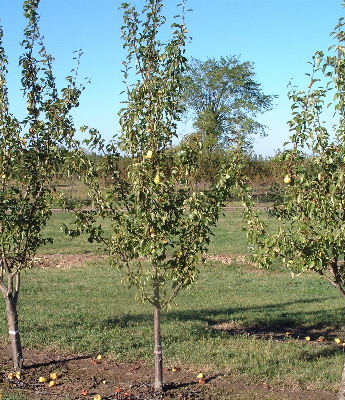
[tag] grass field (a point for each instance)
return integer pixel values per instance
(212, 325)
(228, 236)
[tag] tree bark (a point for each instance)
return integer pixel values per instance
(13, 330)
(342, 389)
(158, 386)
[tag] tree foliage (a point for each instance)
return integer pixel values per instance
(33, 153)
(225, 99)
(160, 227)
(311, 235)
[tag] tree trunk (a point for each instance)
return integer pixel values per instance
(158, 387)
(342, 388)
(13, 330)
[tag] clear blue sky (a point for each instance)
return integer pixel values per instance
(279, 36)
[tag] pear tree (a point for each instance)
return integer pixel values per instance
(34, 153)
(160, 226)
(311, 232)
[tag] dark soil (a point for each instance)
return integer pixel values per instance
(322, 337)
(82, 377)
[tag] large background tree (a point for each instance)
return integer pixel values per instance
(225, 100)
(33, 154)
(311, 233)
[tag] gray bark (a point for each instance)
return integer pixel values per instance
(13, 328)
(158, 386)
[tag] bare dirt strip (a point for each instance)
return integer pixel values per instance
(66, 261)
(81, 376)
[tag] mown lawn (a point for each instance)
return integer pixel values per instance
(228, 236)
(88, 310)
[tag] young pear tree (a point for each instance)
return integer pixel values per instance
(33, 154)
(160, 228)
(311, 233)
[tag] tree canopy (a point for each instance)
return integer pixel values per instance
(225, 99)
(161, 238)
(311, 232)
(34, 154)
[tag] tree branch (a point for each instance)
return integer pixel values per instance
(334, 282)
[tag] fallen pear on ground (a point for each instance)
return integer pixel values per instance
(54, 376)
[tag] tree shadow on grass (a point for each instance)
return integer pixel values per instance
(277, 321)
(274, 321)
(126, 320)
(322, 352)
(259, 321)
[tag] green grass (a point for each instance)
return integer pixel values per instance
(228, 236)
(14, 396)
(64, 244)
(86, 309)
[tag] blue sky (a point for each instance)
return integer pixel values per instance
(279, 36)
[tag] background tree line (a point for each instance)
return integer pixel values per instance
(265, 174)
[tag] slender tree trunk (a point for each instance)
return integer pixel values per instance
(13, 330)
(158, 386)
(342, 389)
